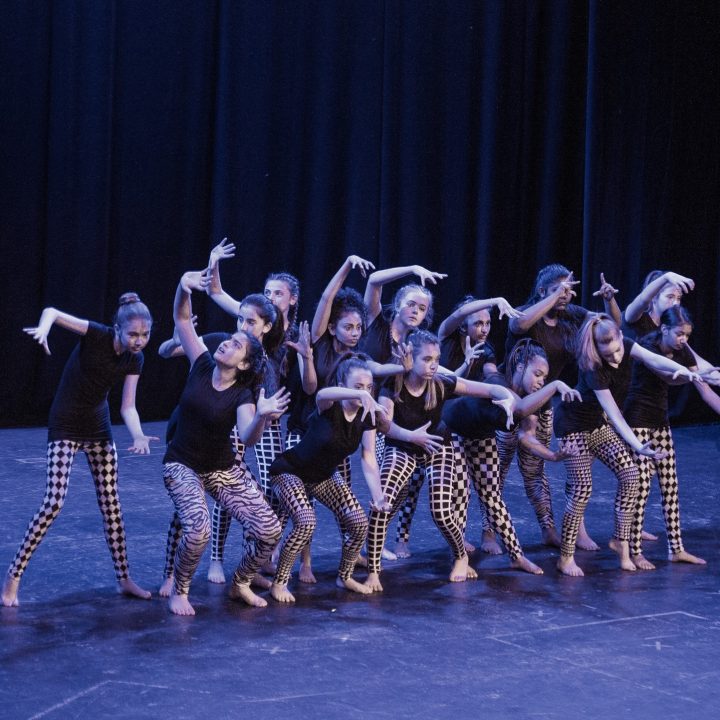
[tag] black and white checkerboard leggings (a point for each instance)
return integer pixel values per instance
(607, 446)
(244, 500)
(102, 459)
(666, 470)
(395, 473)
(478, 461)
(295, 498)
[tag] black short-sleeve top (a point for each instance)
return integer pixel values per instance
(409, 411)
(205, 418)
(588, 415)
(476, 418)
(80, 409)
(452, 356)
(646, 405)
(377, 342)
(330, 437)
(641, 327)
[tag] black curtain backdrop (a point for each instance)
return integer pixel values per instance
(481, 139)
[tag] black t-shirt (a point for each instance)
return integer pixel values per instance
(557, 340)
(330, 437)
(476, 418)
(377, 342)
(452, 356)
(205, 419)
(646, 405)
(641, 327)
(410, 413)
(588, 415)
(80, 409)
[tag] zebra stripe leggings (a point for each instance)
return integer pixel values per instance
(102, 460)
(295, 499)
(241, 496)
(607, 446)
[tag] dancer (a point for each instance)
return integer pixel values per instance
(346, 416)
(414, 404)
(199, 458)
(646, 411)
(549, 318)
(80, 420)
(598, 430)
(474, 422)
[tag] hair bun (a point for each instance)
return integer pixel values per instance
(127, 298)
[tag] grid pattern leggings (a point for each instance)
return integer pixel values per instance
(666, 470)
(480, 463)
(607, 446)
(102, 459)
(397, 469)
(295, 498)
(532, 469)
(241, 496)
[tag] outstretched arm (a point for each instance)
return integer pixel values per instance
(191, 344)
(639, 305)
(527, 437)
(322, 313)
(663, 365)
(51, 316)
(373, 290)
(608, 292)
(221, 251)
(368, 462)
(129, 413)
(453, 321)
(532, 314)
(534, 401)
(306, 362)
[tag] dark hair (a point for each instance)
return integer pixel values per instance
(547, 276)
(268, 313)
(347, 301)
(294, 287)
(254, 374)
(522, 353)
(676, 315)
(418, 338)
(130, 307)
(344, 365)
(413, 287)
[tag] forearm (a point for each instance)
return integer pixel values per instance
(531, 315)
(324, 308)
(530, 442)
(382, 370)
(530, 403)
(182, 307)
(372, 478)
(132, 422)
(454, 320)
(308, 374)
(219, 296)
(613, 310)
(251, 432)
(711, 399)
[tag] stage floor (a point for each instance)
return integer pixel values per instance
(611, 645)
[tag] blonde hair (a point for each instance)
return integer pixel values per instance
(434, 387)
(598, 328)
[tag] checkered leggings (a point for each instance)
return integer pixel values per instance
(335, 494)
(397, 469)
(532, 468)
(666, 470)
(244, 500)
(607, 446)
(480, 462)
(102, 459)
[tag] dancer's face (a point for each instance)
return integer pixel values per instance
(676, 337)
(233, 352)
(279, 294)
(611, 349)
(412, 308)
(426, 361)
(533, 376)
(669, 296)
(347, 330)
(478, 326)
(358, 379)
(249, 321)
(133, 335)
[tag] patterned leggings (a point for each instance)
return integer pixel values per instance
(335, 494)
(397, 468)
(234, 490)
(532, 469)
(102, 459)
(604, 444)
(480, 462)
(666, 470)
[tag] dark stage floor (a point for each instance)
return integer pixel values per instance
(610, 645)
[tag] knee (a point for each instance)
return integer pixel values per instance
(304, 522)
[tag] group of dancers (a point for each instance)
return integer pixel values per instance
(421, 407)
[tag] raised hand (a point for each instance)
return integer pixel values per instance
(221, 251)
(566, 287)
(356, 262)
(141, 445)
(195, 280)
(472, 352)
(40, 335)
(606, 291)
(274, 405)
(505, 309)
(427, 275)
(686, 284)
(404, 355)
(303, 345)
(371, 406)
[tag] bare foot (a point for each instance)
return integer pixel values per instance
(166, 587)
(622, 549)
(281, 593)
(489, 543)
(567, 566)
(306, 573)
(584, 541)
(522, 563)
(130, 588)
(402, 549)
(469, 547)
(180, 605)
(269, 568)
(10, 591)
(648, 535)
(459, 572)
(686, 557)
(373, 582)
(388, 554)
(216, 574)
(353, 585)
(550, 537)
(261, 582)
(471, 573)
(244, 593)
(642, 563)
